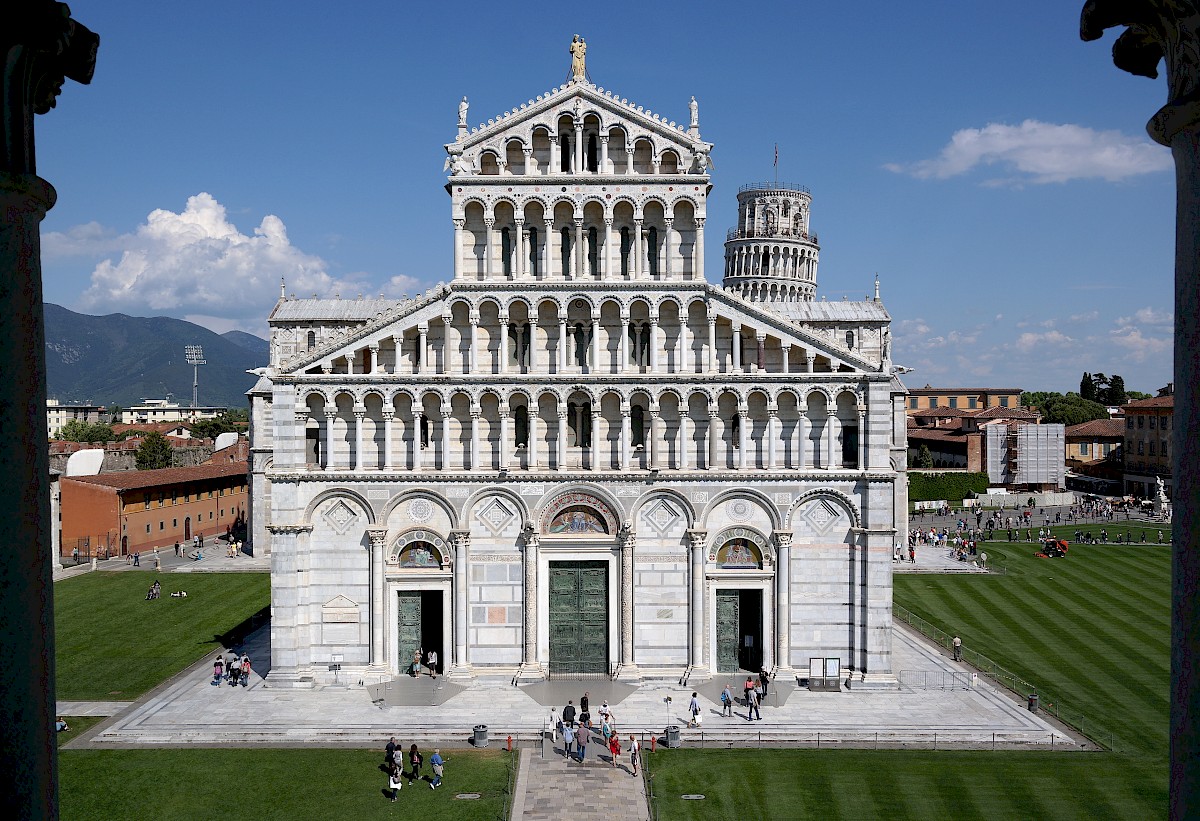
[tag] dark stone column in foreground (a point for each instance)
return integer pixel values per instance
(1169, 31)
(41, 46)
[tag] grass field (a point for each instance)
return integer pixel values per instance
(259, 784)
(113, 645)
(1092, 629)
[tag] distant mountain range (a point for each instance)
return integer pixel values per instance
(119, 359)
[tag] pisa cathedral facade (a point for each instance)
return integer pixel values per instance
(579, 457)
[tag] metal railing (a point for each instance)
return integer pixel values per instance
(774, 186)
(763, 233)
(1048, 702)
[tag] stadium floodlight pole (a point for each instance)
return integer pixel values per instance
(195, 357)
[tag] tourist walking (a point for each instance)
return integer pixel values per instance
(746, 688)
(431, 662)
(726, 702)
(763, 678)
(585, 716)
(438, 764)
(245, 670)
(235, 670)
(568, 732)
(416, 663)
(752, 705)
(634, 749)
(582, 737)
(415, 760)
(395, 781)
(694, 711)
(568, 714)
(957, 647)
(218, 671)
(614, 748)
(389, 752)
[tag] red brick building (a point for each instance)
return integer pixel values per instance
(118, 513)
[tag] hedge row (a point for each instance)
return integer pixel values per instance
(953, 487)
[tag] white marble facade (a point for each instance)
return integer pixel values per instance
(590, 399)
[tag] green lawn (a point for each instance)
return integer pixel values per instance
(260, 784)
(113, 645)
(1092, 629)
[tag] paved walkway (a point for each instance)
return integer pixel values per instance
(552, 788)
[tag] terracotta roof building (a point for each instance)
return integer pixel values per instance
(1149, 430)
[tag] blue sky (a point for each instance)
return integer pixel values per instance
(988, 165)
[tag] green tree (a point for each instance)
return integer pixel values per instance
(1115, 394)
(1087, 388)
(1132, 396)
(1072, 409)
(1038, 399)
(154, 452)
(77, 431)
(924, 457)
(100, 432)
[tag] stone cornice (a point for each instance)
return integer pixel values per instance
(643, 479)
(277, 530)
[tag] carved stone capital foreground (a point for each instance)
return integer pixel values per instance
(1166, 30)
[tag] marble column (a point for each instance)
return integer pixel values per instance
(629, 161)
(378, 537)
(714, 441)
(488, 222)
(374, 349)
(812, 362)
(387, 439)
(446, 411)
(459, 224)
(534, 364)
(504, 434)
(603, 167)
(418, 428)
(628, 539)
(639, 254)
(783, 599)
(529, 565)
(358, 439)
(593, 433)
(555, 164)
(831, 461)
(534, 434)
(804, 431)
(696, 544)
(546, 243)
(623, 365)
(698, 251)
(653, 344)
(655, 435)
(684, 442)
(519, 261)
(506, 333)
(577, 166)
(560, 455)
(580, 251)
(562, 343)
(473, 351)
(743, 436)
(595, 364)
(626, 436)
(329, 420)
(863, 450)
(668, 247)
(772, 437)
(422, 364)
(608, 244)
(461, 539)
(475, 412)
(712, 342)
(737, 348)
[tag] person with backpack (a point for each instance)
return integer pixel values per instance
(395, 780)
(752, 705)
(634, 749)
(415, 760)
(726, 702)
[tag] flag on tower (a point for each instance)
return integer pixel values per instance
(776, 155)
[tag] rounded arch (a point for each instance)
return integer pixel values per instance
(745, 492)
(704, 392)
(685, 198)
(420, 493)
(515, 138)
(565, 200)
(515, 299)
(497, 490)
(663, 299)
(419, 558)
(626, 198)
(306, 393)
(667, 391)
(494, 300)
(744, 533)
(689, 511)
(339, 493)
(507, 200)
(582, 494)
(816, 390)
(374, 390)
(836, 497)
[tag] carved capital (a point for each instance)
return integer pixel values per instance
(377, 535)
(459, 224)
(1167, 30)
(697, 538)
(783, 539)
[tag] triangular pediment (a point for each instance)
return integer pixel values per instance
(578, 99)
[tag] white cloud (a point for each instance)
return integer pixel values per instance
(1088, 316)
(88, 239)
(1148, 316)
(198, 263)
(1139, 346)
(1040, 152)
(1026, 342)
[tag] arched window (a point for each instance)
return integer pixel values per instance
(652, 241)
(637, 426)
(312, 340)
(593, 253)
(736, 430)
(581, 345)
(521, 427)
(565, 233)
(564, 152)
(625, 245)
(533, 252)
(850, 340)
(593, 160)
(423, 422)
(787, 209)
(506, 250)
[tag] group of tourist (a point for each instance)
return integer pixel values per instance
(394, 758)
(576, 729)
(235, 669)
(431, 663)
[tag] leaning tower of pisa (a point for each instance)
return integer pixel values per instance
(771, 255)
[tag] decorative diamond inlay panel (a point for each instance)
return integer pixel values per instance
(340, 516)
(495, 516)
(661, 517)
(821, 516)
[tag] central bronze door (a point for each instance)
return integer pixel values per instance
(728, 630)
(578, 617)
